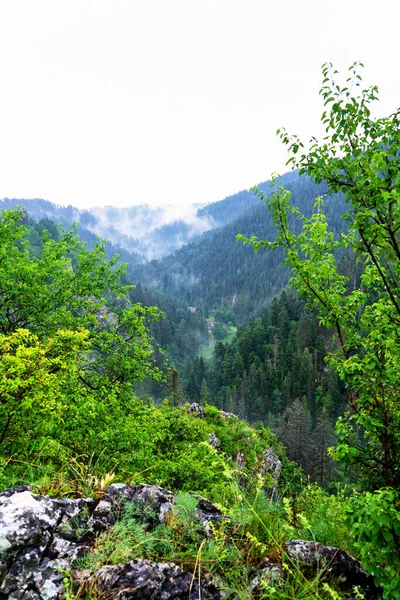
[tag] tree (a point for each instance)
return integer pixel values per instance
(295, 433)
(175, 395)
(33, 376)
(323, 438)
(360, 157)
(205, 397)
(68, 287)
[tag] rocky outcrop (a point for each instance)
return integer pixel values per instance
(38, 540)
(271, 573)
(40, 537)
(197, 411)
(334, 561)
(146, 580)
(153, 502)
(227, 415)
(209, 515)
(271, 465)
(214, 441)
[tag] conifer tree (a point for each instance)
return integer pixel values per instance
(295, 433)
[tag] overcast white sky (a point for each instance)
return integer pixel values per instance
(171, 101)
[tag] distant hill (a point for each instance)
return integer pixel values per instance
(191, 252)
(217, 271)
(146, 232)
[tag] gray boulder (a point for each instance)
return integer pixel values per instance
(214, 441)
(273, 466)
(33, 547)
(197, 410)
(41, 537)
(153, 502)
(147, 580)
(227, 415)
(333, 561)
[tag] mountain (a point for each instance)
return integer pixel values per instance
(146, 232)
(194, 253)
(217, 271)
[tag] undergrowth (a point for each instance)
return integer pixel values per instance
(169, 447)
(251, 536)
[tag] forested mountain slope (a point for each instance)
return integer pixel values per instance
(216, 270)
(143, 231)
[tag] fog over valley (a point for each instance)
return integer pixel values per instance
(151, 232)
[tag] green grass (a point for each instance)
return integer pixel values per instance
(206, 350)
(256, 531)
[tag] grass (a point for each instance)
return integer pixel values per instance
(206, 350)
(234, 555)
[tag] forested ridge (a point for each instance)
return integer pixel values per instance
(217, 271)
(252, 375)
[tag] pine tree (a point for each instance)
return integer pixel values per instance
(205, 397)
(175, 395)
(295, 433)
(323, 439)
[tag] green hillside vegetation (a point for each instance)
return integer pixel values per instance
(73, 348)
(274, 371)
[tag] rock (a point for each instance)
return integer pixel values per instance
(197, 410)
(271, 465)
(14, 490)
(109, 507)
(337, 562)
(32, 546)
(271, 573)
(214, 441)
(227, 415)
(146, 580)
(208, 514)
(240, 461)
(40, 537)
(153, 501)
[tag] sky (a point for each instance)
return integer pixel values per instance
(128, 102)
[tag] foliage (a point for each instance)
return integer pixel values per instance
(254, 532)
(33, 376)
(322, 517)
(375, 520)
(70, 287)
(359, 156)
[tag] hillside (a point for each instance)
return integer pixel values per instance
(140, 232)
(217, 271)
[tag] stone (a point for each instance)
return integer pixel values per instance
(208, 514)
(240, 461)
(153, 501)
(156, 501)
(147, 580)
(273, 466)
(32, 546)
(227, 415)
(41, 537)
(334, 561)
(214, 441)
(197, 410)
(271, 573)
